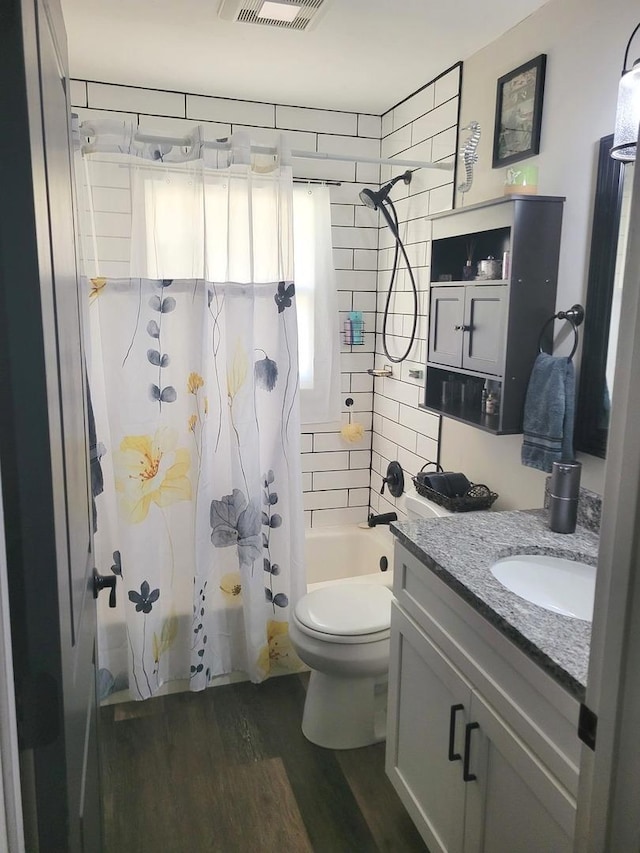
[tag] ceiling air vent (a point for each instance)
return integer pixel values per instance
(282, 14)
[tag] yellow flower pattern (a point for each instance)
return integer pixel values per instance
(237, 373)
(194, 382)
(278, 653)
(96, 288)
(167, 637)
(231, 586)
(151, 470)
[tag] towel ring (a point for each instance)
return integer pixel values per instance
(574, 316)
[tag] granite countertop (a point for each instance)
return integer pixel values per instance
(461, 548)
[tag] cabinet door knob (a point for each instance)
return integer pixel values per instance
(462, 328)
(468, 777)
(453, 756)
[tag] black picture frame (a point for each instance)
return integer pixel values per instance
(518, 121)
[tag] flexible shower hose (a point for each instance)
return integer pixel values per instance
(395, 230)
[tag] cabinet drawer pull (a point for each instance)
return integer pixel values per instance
(468, 777)
(462, 328)
(453, 756)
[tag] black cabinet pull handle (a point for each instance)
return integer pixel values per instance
(468, 777)
(462, 328)
(101, 582)
(453, 756)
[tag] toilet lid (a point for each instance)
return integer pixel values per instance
(346, 609)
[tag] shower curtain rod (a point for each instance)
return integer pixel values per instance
(86, 128)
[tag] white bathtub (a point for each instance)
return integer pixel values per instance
(348, 554)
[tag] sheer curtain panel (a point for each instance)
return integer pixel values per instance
(194, 382)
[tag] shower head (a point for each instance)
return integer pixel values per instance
(369, 198)
(375, 198)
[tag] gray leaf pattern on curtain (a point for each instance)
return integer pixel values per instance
(193, 375)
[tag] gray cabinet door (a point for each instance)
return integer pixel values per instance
(485, 313)
(445, 325)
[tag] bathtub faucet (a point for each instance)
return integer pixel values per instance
(385, 518)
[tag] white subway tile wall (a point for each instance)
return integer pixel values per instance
(336, 476)
(422, 127)
(103, 96)
(341, 480)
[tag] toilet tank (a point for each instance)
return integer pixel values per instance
(417, 507)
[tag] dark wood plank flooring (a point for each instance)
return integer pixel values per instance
(229, 770)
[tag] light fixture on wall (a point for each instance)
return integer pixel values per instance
(625, 137)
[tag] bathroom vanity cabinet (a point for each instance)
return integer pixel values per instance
(481, 742)
(483, 330)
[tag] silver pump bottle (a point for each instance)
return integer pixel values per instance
(563, 496)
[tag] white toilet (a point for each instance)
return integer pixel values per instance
(342, 633)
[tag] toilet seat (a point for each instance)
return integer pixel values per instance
(347, 613)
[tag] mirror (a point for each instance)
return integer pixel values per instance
(606, 269)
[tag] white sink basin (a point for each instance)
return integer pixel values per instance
(562, 586)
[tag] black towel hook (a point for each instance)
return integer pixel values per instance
(574, 316)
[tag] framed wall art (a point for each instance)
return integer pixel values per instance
(519, 113)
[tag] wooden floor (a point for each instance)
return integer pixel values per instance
(229, 770)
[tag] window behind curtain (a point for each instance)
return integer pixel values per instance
(317, 304)
(173, 202)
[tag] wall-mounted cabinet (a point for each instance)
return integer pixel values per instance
(466, 327)
(484, 331)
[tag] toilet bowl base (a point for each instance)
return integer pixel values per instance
(345, 713)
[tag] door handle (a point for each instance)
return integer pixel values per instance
(462, 328)
(468, 777)
(453, 756)
(101, 582)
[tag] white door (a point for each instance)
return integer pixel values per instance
(428, 709)
(513, 801)
(43, 437)
(608, 813)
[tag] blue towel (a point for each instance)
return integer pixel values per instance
(548, 413)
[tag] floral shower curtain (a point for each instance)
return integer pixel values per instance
(194, 383)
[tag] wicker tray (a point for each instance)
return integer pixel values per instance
(477, 497)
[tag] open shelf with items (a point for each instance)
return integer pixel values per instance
(449, 258)
(484, 332)
(459, 395)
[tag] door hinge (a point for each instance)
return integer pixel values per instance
(587, 726)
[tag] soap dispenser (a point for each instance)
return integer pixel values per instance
(563, 496)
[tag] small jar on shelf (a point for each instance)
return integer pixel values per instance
(492, 404)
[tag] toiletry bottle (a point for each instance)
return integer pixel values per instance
(490, 404)
(357, 327)
(485, 395)
(563, 496)
(506, 264)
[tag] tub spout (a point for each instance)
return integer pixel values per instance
(385, 518)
